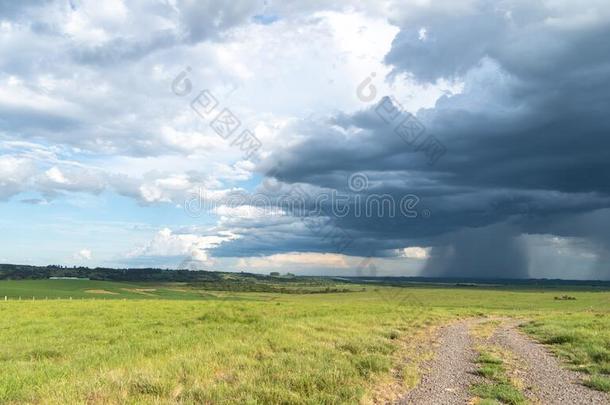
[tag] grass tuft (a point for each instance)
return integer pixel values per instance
(43, 354)
(501, 391)
(490, 371)
(598, 382)
(499, 388)
(488, 358)
(560, 339)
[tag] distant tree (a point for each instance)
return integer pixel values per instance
(274, 274)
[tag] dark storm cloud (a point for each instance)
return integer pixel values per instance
(479, 253)
(591, 227)
(528, 140)
(445, 45)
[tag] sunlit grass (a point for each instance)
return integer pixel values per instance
(498, 386)
(243, 347)
(285, 350)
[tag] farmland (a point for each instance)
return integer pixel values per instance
(87, 341)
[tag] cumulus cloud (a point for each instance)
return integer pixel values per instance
(83, 254)
(416, 252)
(516, 91)
(14, 171)
(167, 244)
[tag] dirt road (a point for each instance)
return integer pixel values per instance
(449, 375)
(547, 381)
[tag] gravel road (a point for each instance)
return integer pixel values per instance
(546, 380)
(447, 377)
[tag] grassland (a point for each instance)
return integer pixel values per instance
(94, 289)
(175, 343)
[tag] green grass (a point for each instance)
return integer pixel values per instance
(295, 350)
(90, 289)
(580, 338)
(499, 386)
(504, 392)
(598, 382)
(175, 343)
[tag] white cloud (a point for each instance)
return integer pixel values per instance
(422, 34)
(84, 254)
(14, 172)
(416, 252)
(299, 259)
(168, 243)
(55, 175)
(248, 212)
(138, 138)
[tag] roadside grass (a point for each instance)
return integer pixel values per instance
(598, 382)
(484, 330)
(413, 349)
(582, 339)
(503, 392)
(499, 386)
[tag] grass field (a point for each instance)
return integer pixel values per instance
(173, 343)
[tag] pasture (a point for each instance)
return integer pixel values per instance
(119, 342)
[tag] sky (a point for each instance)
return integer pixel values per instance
(375, 138)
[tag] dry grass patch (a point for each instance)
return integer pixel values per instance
(486, 329)
(413, 348)
(101, 292)
(144, 291)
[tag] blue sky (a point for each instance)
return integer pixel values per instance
(487, 119)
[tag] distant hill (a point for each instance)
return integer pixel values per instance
(27, 272)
